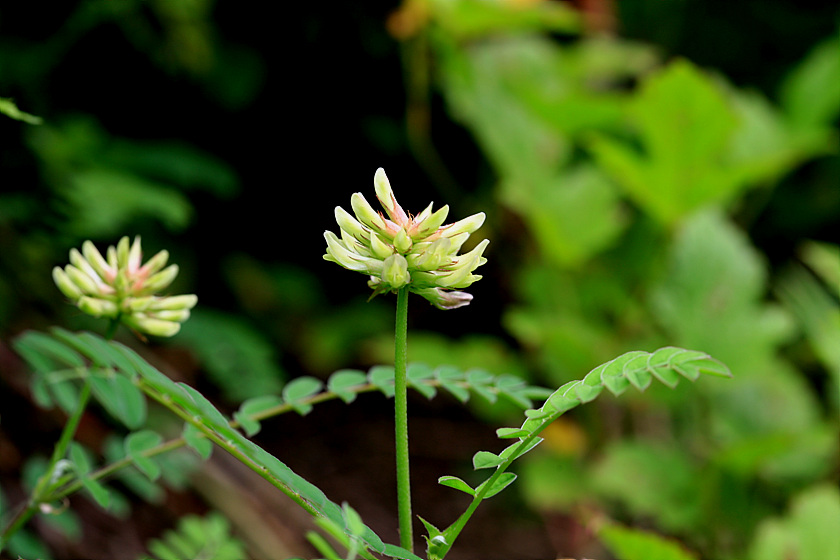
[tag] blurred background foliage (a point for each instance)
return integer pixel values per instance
(653, 172)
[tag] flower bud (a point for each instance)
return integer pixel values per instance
(402, 242)
(177, 315)
(339, 254)
(98, 307)
(65, 284)
(431, 224)
(379, 248)
(84, 282)
(351, 225)
(99, 264)
(159, 281)
(395, 271)
(135, 256)
(467, 225)
(186, 301)
(123, 250)
(149, 325)
(366, 214)
(386, 197)
(155, 264)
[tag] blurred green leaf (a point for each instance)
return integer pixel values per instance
(138, 442)
(811, 93)
(651, 479)
(635, 544)
(197, 537)
(120, 397)
(711, 296)
(470, 18)
(104, 201)
(8, 108)
(808, 532)
(237, 356)
(685, 125)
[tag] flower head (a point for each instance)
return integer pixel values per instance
(397, 249)
(120, 287)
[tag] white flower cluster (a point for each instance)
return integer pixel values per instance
(120, 287)
(398, 250)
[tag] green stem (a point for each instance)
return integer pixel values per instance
(401, 421)
(42, 488)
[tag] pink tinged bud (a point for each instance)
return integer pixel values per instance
(366, 214)
(65, 284)
(351, 225)
(152, 326)
(159, 281)
(395, 271)
(99, 264)
(135, 256)
(431, 224)
(84, 282)
(402, 242)
(98, 307)
(444, 299)
(386, 197)
(154, 264)
(379, 248)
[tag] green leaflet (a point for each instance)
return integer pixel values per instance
(254, 407)
(638, 368)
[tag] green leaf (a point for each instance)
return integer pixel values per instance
(634, 544)
(457, 484)
(503, 481)
(807, 532)
(811, 93)
(197, 537)
(196, 441)
(517, 450)
(300, 389)
(236, 355)
(417, 374)
(253, 407)
(83, 466)
(486, 460)
(395, 551)
(343, 382)
(120, 397)
(383, 378)
(508, 433)
(685, 124)
(136, 444)
(58, 352)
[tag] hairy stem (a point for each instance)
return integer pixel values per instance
(401, 421)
